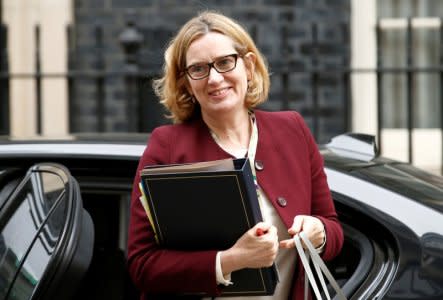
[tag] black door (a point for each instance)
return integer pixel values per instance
(46, 237)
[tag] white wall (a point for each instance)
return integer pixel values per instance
(427, 143)
(21, 16)
(426, 147)
(363, 57)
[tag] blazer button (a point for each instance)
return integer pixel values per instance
(259, 165)
(282, 201)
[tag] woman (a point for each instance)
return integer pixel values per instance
(214, 76)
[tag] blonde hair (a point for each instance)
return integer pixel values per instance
(171, 87)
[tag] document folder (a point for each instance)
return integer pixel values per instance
(204, 206)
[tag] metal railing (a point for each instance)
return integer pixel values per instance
(410, 70)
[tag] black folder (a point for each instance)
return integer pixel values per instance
(203, 206)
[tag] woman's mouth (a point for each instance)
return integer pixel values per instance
(219, 92)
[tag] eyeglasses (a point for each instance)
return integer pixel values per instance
(221, 65)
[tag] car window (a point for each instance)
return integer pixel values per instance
(407, 181)
(34, 223)
(421, 174)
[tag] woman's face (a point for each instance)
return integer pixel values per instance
(219, 92)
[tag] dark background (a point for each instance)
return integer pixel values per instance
(297, 37)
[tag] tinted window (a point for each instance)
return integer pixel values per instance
(31, 233)
(408, 181)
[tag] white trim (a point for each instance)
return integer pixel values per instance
(20, 17)
(402, 23)
(363, 56)
(88, 149)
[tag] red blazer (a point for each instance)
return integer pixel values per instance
(292, 179)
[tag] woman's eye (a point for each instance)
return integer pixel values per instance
(224, 62)
(197, 69)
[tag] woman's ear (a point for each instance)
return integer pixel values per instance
(250, 59)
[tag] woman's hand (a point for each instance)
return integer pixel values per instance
(311, 226)
(252, 250)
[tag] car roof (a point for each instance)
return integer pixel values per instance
(73, 149)
(346, 158)
(109, 146)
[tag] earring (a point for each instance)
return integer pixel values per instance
(193, 99)
(249, 90)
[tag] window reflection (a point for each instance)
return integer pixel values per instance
(408, 181)
(47, 188)
(30, 235)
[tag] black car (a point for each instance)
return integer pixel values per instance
(64, 210)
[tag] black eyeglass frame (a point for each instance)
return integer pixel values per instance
(212, 65)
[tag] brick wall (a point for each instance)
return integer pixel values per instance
(282, 29)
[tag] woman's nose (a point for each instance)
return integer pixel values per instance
(214, 76)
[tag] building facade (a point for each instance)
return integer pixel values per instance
(345, 65)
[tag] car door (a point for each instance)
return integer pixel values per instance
(46, 237)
